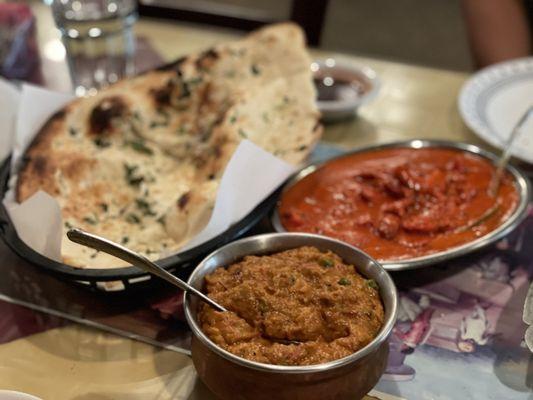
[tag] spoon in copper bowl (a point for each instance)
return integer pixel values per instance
(107, 246)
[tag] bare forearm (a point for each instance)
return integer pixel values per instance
(498, 30)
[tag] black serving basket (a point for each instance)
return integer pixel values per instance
(129, 277)
(180, 264)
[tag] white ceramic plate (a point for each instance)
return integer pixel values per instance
(492, 101)
(13, 395)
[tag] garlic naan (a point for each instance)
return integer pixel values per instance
(141, 161)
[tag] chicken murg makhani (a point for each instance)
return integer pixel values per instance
(400, 203)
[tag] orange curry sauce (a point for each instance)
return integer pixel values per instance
(400, 203)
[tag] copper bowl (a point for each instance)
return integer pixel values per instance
(233, 377)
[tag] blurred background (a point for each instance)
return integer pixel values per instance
(35, 35)
(424, 32)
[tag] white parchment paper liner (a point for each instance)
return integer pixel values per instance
(250, 176)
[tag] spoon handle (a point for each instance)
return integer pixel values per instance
(506, 155)
(107, 246)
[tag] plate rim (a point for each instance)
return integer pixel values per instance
(472, 90)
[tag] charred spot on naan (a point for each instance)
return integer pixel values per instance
(163, 94)
(102, 115)
(206, 60)
(183, 200)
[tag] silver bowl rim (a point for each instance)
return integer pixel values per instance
(522, 183)
(387, 284)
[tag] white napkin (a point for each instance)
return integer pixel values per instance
(9, 101)
(35, 106)
(38, 223)
(250, 176)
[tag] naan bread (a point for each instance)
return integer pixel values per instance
(140, 162)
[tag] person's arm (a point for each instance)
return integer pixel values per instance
(498, 30)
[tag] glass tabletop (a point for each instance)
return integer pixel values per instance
(459, 322)
(460, 329)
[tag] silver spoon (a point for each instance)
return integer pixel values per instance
(506, 154)
(107, 246)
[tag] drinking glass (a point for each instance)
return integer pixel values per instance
(98, 37)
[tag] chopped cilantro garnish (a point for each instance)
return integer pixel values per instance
(90, 220)
(130, 169)
(185, 89)
(145, 207)
(102, 143)
(195, 81)
(139, 146)
(372, 283)
(136, 181)
(326, 262)
(130, 175)
(156, 124)
(132, 218)
(262, 306)
(344, 282)
(163, 113)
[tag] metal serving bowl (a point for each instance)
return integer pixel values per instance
(521, 182)
(231, 377)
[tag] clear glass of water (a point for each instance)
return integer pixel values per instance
(99, 40)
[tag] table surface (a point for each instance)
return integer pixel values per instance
(71, 361)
